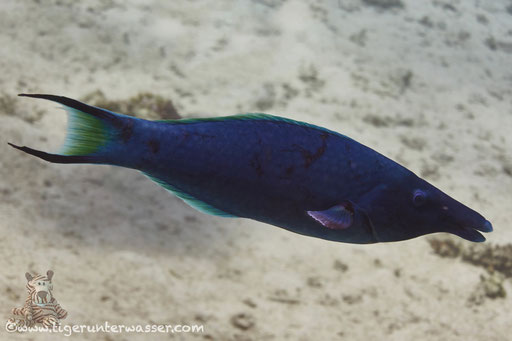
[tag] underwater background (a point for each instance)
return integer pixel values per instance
(426, 83)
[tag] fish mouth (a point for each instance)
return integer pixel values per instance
(472, 234)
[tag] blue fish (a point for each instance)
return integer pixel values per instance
(295, 175)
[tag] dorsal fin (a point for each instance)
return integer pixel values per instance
(249, 117)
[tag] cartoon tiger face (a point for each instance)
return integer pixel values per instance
(40, 287)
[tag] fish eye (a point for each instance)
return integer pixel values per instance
(419, 198)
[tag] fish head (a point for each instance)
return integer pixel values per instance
(413, 207)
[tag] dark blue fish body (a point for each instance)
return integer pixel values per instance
(290, 174)
(267, 170)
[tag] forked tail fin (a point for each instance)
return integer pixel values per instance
(55, 158)
(90, 133)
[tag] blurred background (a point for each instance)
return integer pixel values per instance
(427, 83)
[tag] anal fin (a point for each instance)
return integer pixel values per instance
(189, 199)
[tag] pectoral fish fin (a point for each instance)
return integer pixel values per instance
(189, 199)
(338, 217)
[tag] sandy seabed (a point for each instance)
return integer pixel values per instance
(427, 83)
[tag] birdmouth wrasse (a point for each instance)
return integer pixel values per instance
(295, 175)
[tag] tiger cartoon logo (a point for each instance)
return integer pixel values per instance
(40, 305)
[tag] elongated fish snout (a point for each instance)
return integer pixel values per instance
(461, 220)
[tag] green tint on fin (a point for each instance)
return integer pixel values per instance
(248, 117)
(190, 200)
(85, 133)
(241, 117)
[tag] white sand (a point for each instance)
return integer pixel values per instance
(125, 251)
